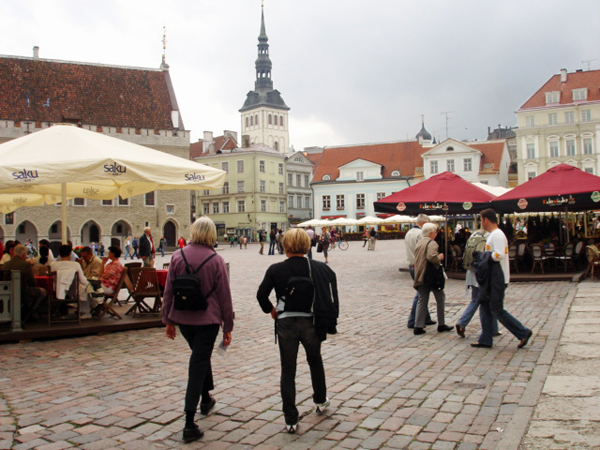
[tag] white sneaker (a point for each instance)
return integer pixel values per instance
(322, 406)
(291, 429)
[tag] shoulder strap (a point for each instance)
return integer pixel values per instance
(189, 269)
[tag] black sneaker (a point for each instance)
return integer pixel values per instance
(444, 328)
(525, 340)
(192, 434)
(460, 331)
(418, 331)
(206, 407)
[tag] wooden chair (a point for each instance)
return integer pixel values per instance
(145, 285)
(41, 271)
(109, 299)
(513, 256)
(130, 265)
(593, 257)
(58, 306)
(539, 258)
(456, 258)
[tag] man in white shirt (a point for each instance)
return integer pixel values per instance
(411, 238)
(64, 264)
(497, 244)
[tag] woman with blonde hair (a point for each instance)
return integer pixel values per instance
(295, 321)
(199, 327)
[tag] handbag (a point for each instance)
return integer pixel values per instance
(434, 277)
(320, 247)
(313, 242)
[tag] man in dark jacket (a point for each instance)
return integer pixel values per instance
(493, 275)
(147, 250)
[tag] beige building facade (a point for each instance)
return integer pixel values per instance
(560, 123)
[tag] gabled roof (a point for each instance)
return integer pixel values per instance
(403, 156)
(220, 143)
(92, 94)
(492, 154)
(589, 79)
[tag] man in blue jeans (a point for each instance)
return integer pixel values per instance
(475, 243)
(497, 244)
(410, 240)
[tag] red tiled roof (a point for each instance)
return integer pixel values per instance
(92, 94)
(402, 156)
(315, 158)
(221, 143)
(492, 154)
(589, 79)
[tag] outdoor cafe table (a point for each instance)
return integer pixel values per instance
(162, 277)
(44, 282)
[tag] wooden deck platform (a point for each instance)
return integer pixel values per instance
(107, 324)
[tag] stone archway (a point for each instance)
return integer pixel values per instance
(170, 233)
(119, 232)
(26, 230)
(90, 232)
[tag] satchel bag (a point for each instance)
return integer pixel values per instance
(319, 247)
(434, 277)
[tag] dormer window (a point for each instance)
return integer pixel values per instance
(360, 176)
(449, 149)
(396, 173)
(552, 97)
(580, 94)
(326, 177)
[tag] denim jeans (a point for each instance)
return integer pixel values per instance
(201, 340)
(495, 309)
(413, 309)
(272, 245)
(291, 332)
(470, 310)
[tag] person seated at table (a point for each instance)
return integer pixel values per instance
(111, 270)
(43, 258)
(31, 295)
(9, 252)
(90, 264)
(65, 268)
(73, 256)
(46, 243)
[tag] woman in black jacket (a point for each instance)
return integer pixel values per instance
(294, 327)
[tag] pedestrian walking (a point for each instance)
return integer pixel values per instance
(272, 242)
(162, 246)
(325, 241)
(495, 265)
(199, 327)
(135, 245)
(261, 239)
(427, 253)
(128, 249)
(181, 242)
(101, 250)
(294, 319)
(372, 239)
(279, 238)
(475, 243)
(313, 243)
(411, 238)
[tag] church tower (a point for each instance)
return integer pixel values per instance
(265, 114)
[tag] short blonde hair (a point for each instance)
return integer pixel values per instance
(296, 241)
(429, 228)
(204, 232)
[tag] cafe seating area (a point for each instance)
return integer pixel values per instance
(136, 304)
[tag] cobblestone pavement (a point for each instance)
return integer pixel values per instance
(388, 388)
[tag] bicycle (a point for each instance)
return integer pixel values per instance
(342, 244)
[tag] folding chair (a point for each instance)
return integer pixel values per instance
(71, 296)
(130, 265)
(107, 306)
(145, 285)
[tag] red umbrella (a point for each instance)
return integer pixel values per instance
(561, 188)
(446, 193)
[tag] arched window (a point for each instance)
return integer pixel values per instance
(281, 120)
(252, 121)
(276, 145)
(271, 120)
(246, 122)
(256, 119)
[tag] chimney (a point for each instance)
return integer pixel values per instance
(208, 143)
(563, 75)
(36, 52)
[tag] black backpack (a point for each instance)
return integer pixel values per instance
(300, 293)
(187, 288)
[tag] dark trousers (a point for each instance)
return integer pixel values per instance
(201, 339)
(272, 246)
(413, 308)
(291, 332)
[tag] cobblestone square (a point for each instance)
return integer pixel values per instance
(388, 388)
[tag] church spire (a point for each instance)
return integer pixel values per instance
(263, 62)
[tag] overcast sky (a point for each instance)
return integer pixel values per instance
(351, 71)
